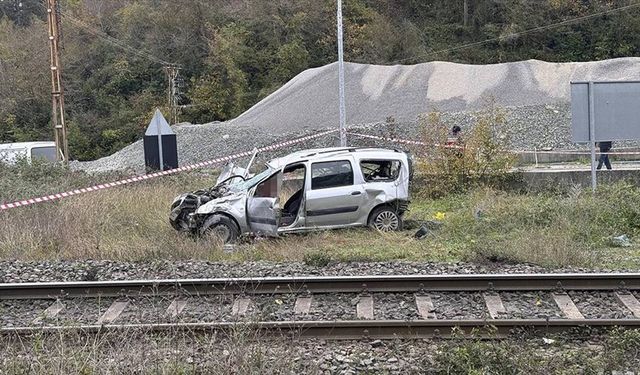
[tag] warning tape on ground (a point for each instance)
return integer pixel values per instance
(132, 179)
(558, 152)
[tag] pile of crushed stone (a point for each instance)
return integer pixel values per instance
(535, 95)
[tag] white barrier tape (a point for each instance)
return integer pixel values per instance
(559, 152)
(132, 179)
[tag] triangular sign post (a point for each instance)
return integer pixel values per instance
(160, 145)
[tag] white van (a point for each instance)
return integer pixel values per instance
(11, 152)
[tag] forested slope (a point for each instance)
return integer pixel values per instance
(235, 52)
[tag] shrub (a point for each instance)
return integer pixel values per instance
(481, 156)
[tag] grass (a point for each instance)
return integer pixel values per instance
(617, 352)
(245, 352)
(484, 225)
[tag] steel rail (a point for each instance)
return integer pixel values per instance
(324, 284)
(350, 329)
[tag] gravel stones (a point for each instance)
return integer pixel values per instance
(530, 305)
(535, 95)
(395, 306)
(90, 270)
(21, 312)
(459, 306)
(336, 306)
(375, 92)
(599, 305)
(275, 307)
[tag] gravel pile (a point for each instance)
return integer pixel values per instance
(90, 270)
(375, 92)
(535, 94)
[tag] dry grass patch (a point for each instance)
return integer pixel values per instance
(135, 351)
(348, 246)
(123, 223)
(487, 225)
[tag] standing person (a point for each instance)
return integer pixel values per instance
(605, 147)
(454, 140)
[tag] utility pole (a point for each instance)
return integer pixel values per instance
(343, 116)
(57, 92)
(465, 17)
(172, 72)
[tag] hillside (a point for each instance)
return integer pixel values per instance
(233, 54)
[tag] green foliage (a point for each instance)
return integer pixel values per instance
(317, 259)
(235, 53)
(486, 225)
(550, 229)
(478, 156)
(25, 179)
(527, 355)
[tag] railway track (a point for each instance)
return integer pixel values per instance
(165, 305)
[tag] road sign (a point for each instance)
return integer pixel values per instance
(160, 145)
(604, 111)
(616, 106)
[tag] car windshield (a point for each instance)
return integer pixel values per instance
(248, 184)
(46, 153)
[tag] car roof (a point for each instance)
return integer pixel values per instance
(330, 153)
(23, 145)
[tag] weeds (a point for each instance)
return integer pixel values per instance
(316, 259)
(471, 356)
(478, 157)
(483, 224)
(246, 351)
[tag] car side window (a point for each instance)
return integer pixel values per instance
(380, 170)
(331, 174)
(267, 188)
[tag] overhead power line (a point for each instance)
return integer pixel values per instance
(521, 33)
(113, 41)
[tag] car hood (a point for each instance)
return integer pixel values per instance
(224, 203)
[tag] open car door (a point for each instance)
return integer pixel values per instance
(263, 211)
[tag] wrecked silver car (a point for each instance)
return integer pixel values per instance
(321, 189)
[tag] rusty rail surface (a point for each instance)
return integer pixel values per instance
(325, 284)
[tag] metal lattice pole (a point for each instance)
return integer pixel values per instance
(343, 116)
(57, 92)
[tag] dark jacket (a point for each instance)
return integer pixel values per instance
(604, 146)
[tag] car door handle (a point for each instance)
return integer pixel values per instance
(356, 193)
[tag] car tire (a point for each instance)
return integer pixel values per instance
(222, 226)
(385, 219)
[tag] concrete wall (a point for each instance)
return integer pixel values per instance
(530, 158)
(560, 180)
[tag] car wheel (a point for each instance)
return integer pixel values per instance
(221, 226)
(385, 219)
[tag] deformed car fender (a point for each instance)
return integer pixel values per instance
(233, 205)
(374, 198)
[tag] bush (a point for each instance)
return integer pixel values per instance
(479, 157)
